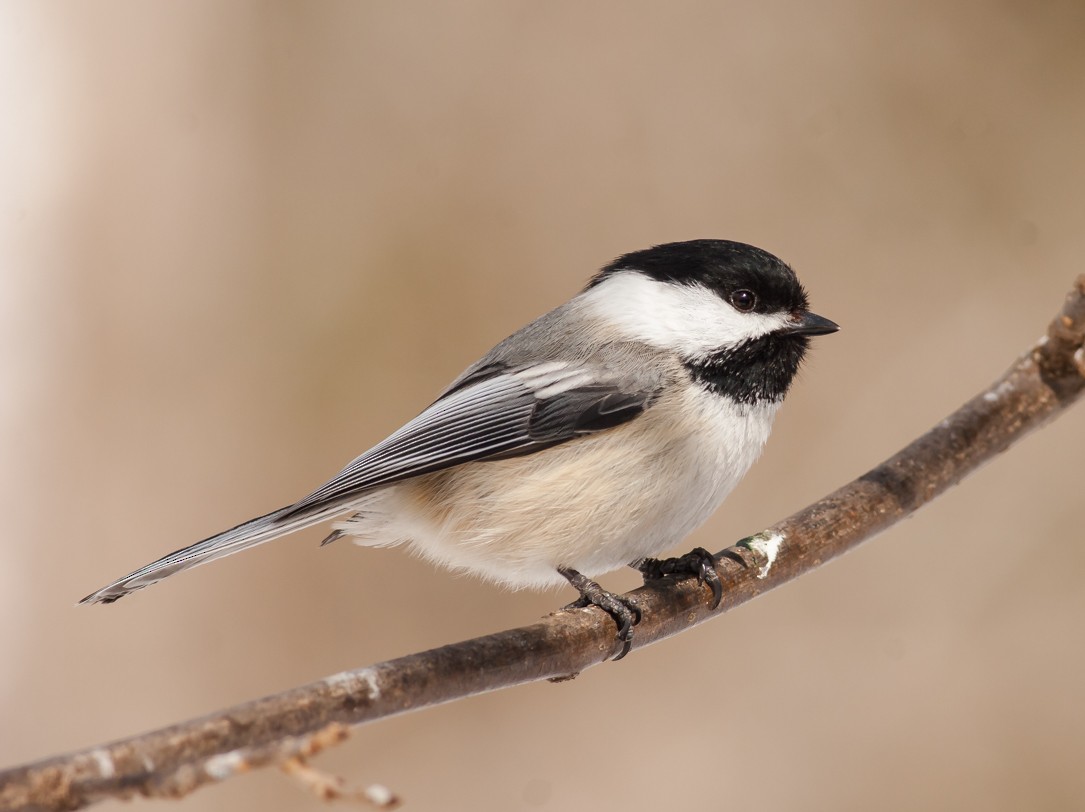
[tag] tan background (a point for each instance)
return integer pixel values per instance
(243, 241)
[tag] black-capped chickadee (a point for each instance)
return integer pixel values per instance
(596, 437)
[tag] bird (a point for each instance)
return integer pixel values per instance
(596, 437)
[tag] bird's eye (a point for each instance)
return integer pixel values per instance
(743, 300)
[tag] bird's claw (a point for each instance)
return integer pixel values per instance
(697, 561)
(624, 610)
(737, 552)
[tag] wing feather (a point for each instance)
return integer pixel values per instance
(512, 411)
(494, 411)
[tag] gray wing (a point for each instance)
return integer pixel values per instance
(494, 410)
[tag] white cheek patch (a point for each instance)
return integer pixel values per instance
(688, 319)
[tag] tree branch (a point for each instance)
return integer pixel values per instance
(174, 761)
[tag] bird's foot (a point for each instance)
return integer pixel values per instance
(624, 610)
(697, 561)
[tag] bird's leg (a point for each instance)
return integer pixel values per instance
(623, 610)
(697, 561)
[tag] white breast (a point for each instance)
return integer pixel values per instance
(594, 504)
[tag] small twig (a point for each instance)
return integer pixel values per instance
(328, 787)
(279, 729)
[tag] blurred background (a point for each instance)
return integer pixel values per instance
(239, 243)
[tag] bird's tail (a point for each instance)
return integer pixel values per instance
(249, 534)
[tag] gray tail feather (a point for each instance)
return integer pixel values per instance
(335, 535)
(249, 534)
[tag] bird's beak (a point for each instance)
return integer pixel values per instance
(809, 324)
